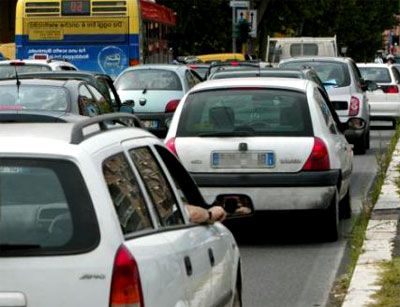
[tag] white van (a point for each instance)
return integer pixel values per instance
(280, 48)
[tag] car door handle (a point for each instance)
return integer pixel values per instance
(188, 266)
(211, 257)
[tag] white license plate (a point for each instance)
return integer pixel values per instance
(248, 159)
(150, 123)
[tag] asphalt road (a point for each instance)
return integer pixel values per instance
(284, 261)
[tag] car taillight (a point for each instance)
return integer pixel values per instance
(171, 146)
(171, 106)
(134, 62)
(126, 289)
(319, 157)
(354, 106)
(393, 89)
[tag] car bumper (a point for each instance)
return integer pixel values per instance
(156, 123)
(299, 191)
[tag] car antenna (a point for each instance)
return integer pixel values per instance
(15, 64)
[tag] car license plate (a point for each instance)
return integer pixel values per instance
(150, 123)
(248, 159)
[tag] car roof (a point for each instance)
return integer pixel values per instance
(49, 82)
(172, 67)
(32, 61)
(55, 138)
(287, 83)
(316, 59)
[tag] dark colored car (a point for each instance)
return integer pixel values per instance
(32, 96)
(102, 82)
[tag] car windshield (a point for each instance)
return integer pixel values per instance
(33, 97)
(377, 74)
(42, 211)
(8, 71)
(245, 112)
(333, 74)
(149, 79)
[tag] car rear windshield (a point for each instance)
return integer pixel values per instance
(332, 74)
(45, 209)
(149, 79)
(377, 74)
(246, 112)
(33, 97)
(8, 71)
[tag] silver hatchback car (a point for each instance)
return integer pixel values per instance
(155, 91)
(346, 89)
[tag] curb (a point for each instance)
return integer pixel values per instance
(379, 240)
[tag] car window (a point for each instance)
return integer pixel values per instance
(149, 79)
(86, 101)
(104, 105)
(396, 74)
(377, 74)
(42, 210)
(7, 71)
(260, 112)
(326, 113)
(190, 79)
(33, 97)
(126, 195)
(335, 73)
(64, 67)
(303, 49)
(157, 186)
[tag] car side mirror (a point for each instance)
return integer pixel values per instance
(235, 205)
(127, 106)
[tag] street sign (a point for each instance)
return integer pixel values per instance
(250, 16)
(243, 4)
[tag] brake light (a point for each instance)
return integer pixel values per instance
(171, 146)
(235, 64)
(17, 63)
(41, 56)
(393, 89)
(171, 106)
(319, 157)
(126, 289)
(134, 62)
(354, 106)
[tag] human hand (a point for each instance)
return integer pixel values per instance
(218, 214)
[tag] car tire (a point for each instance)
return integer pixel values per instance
(330, 220)
(345, 206)
(368, 140)
(360, 145)
(237, 297)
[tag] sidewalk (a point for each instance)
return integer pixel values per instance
(381, 234)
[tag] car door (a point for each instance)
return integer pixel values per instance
(101, 102)
(160, 275)
(221, 250)
(342, 149)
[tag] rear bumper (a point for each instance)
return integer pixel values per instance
(162, 120)
(299, 191)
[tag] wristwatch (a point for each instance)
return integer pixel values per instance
(209, 215)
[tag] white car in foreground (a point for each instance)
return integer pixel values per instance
(273, 139)
(385, 98)
(91, 216)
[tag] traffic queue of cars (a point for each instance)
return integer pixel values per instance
(249, 139)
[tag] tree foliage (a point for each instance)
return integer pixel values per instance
(205, 26)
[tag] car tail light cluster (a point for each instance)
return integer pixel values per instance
(126, 289)
(170, 144)
(354, 106)
(171, 106)
(392, 89)
(319, 157)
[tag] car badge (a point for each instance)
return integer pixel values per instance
(243, 147)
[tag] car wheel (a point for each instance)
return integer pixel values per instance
(330, 220)
(360, 145)
(345, 206)
(237, 301)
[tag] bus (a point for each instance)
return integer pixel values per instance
(103, 36)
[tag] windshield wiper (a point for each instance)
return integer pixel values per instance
(227, 133)
(7, 247)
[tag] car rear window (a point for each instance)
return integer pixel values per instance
(33, 97)
(8, 71)
(303, 49)
(246, 112)
(335, 74)
(149, 79)
(45, 209)
(377, 74)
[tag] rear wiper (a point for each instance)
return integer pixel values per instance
(6, 247)
(227, 133)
